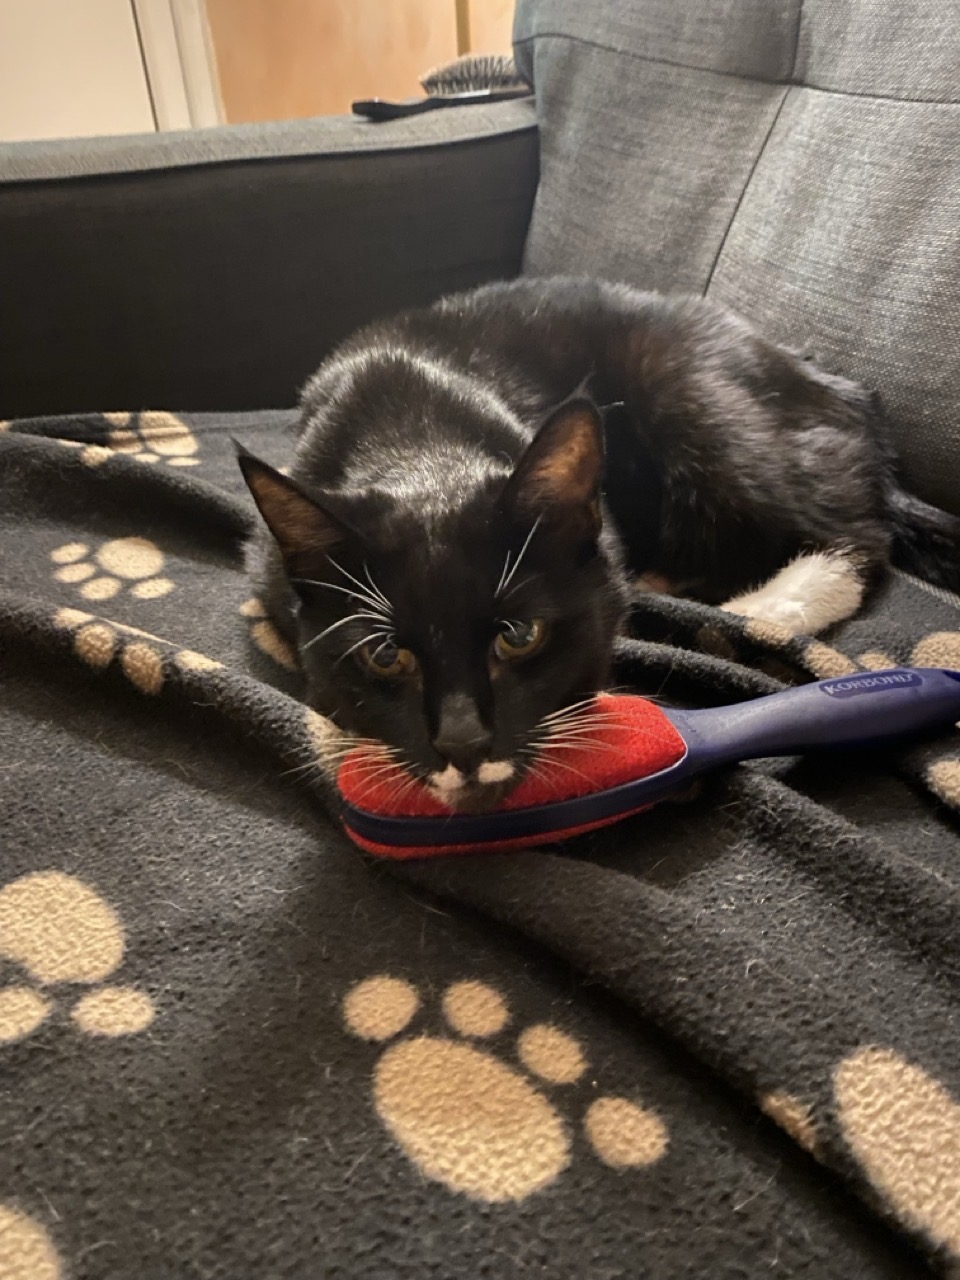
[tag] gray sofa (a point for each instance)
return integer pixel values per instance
(797, 161)
(719, 1040)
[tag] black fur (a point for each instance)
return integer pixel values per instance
(926, 540)
(725, 457)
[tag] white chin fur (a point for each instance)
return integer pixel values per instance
(447, 783)
(495, 771)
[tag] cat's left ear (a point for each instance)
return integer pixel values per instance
(558, 477)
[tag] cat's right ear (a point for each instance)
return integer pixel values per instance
(297, 522)
(558, 478)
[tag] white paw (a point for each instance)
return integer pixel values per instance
(811, 593)
(790, 614)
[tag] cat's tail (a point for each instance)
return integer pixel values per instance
(926, 539)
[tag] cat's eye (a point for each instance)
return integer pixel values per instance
(519, 639)
(386, 659)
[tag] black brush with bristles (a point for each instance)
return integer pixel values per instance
(473, 73)
(473, 79)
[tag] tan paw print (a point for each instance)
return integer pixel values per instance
(794, 1117)
(903, 1126)
(473, 1122)
(26, 1250)
(140, 655)
(266, 636)
(131, 563)
(153, 437)
(58, 930)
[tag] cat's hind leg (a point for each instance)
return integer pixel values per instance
(812, 592)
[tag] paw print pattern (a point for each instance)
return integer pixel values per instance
(903, 1127)
(139, 655)
(26, 1250)
(822, 660)
(58, 930)
(473, 1122)
(150, 437)
(266, 636)
(793, 1117)
(134, 563)
(153, 437)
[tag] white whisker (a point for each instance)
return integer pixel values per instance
(302, 769)
(588, 747)
(537, 771)
(369, 755)
(375, 589)
(387, 641)
(358, 740)
(582, 722)
(586, 720)
(403, 786)
(507, 577)
(517, 586)
(411, 782)
(378, 594)
(560, 764)
(503, 573)
(379, 772)
(341, 622)
(323, 763)
(541, 770)
(361, 597)
(585, 734)
(354, 647)
(574, 706)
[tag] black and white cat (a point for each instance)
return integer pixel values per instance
(456, 544)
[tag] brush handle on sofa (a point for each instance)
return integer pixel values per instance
(865, 709)
(380, 109)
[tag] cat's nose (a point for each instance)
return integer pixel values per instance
(462, 739)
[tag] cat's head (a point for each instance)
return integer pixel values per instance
(459, 638)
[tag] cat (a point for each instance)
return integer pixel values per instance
(481, 484)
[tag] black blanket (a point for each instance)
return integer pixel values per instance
(719, 1039)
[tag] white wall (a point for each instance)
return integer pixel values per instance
(70, 68)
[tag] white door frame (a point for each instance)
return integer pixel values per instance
(180, 63)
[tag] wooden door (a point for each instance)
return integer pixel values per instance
(491, 25)
(280, 59)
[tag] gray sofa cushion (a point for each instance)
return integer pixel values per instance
(799, 162)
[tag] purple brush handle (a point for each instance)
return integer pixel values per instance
(865, 709)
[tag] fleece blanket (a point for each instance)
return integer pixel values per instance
(717, 1040)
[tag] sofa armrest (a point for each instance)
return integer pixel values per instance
(213, 269)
